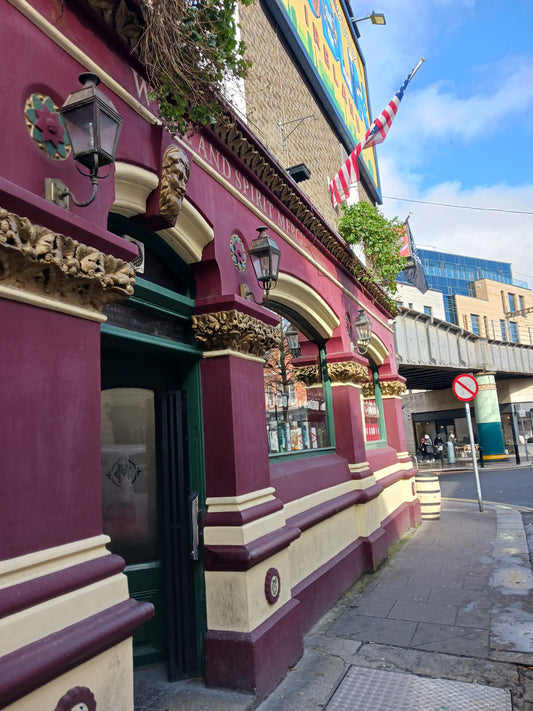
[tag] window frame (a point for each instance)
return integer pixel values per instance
(326, 395)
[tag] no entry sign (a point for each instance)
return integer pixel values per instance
(465, 387)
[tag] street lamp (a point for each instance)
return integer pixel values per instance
(93, 126)
(376, 18)
(363, 329)
(265, 256)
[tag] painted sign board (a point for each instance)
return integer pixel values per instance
(465, 387)
(324, 42)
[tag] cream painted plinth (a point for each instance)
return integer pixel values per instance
(236, 601)
(109, 676)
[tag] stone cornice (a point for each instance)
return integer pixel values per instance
(347, 372)
(37, 260)
(271, 174)
(234, 331)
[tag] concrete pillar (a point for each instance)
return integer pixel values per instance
(489, 426)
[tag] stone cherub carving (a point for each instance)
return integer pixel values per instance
(174, 176)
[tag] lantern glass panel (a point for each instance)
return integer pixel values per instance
(109, 132)
(81, 126)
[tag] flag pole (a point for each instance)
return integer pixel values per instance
(422, 60)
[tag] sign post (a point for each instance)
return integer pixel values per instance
(465, 388)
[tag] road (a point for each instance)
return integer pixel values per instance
(504, 486)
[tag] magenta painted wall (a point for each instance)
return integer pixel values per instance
(236, 453)
(50, 424)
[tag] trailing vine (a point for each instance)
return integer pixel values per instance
(190, 48)
(362, 223)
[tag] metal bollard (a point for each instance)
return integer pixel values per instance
(517, 454)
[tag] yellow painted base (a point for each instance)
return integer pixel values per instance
(109, 676)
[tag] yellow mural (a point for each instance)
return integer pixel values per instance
(326, 40)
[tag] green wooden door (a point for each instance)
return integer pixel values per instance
(147, 501)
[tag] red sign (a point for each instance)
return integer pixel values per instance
(465, 387)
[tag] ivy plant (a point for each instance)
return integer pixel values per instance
(381, 239)
(190, 48)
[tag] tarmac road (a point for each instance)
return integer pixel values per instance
(512, 486)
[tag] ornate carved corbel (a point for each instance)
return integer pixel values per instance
(392, 388)
(348, 372)
(37, 260)
(234, 331)
(368, 390)
(309, 374)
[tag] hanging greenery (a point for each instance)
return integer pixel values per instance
(380, 238)
(190, 48)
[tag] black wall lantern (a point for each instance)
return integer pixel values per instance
(264, 254)
(93, 126)
(363, 329)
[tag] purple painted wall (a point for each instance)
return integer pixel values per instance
(50, 423)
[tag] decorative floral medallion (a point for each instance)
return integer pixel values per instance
(238, 252)
(46, 126)
(80, 698)
(272, 585)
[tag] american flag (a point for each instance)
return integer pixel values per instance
(348, 175)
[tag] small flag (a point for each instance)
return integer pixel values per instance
(414, 272)
(348, 175)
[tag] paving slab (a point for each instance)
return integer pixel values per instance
(451, 613)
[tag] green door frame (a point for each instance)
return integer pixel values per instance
(171, 305)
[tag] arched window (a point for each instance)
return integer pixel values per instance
(297, 394)
(375, 432)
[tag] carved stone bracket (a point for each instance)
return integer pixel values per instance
(392, 388)
(348, 372)
(175, 174)
(37, 260)
(119, 14)
(309, 374)
(235, 331)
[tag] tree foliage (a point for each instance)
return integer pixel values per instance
(190, 48)
(381, 239)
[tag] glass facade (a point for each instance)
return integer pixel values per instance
(451, 274)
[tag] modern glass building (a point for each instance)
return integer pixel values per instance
(452, 274)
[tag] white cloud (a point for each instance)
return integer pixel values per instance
(462, 106)
(501, 236)
(438, 111)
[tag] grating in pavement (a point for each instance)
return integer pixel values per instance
(375, 690)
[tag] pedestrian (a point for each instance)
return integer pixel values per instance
(438, 443)
(430, 451)
(422, 448)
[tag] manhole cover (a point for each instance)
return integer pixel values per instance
(375, 690)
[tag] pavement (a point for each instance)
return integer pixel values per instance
(445, 624)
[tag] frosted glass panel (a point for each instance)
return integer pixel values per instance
(129, 475)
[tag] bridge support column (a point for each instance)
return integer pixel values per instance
(489, 426)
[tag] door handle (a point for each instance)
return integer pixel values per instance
(195, 527)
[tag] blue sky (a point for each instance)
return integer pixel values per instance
(464, 131)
